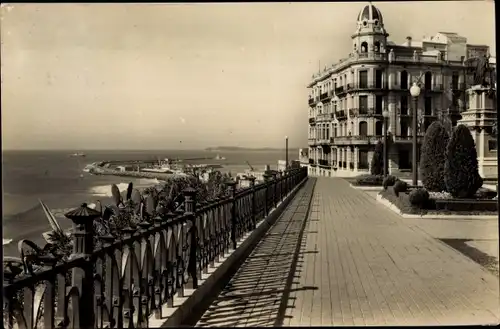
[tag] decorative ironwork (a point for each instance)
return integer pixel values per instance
(124, 282)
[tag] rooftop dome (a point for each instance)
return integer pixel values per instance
(370, 13)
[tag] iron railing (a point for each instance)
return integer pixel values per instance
(124, 282)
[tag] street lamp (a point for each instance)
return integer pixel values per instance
(385, 114)
(414, 92)
(286, 154)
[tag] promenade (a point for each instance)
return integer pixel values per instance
(337, 257)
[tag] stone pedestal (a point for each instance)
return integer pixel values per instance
(480, 117)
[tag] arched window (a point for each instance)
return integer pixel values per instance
(364, 47)
(428, 80)
(363, 128)
(404, 80)
(378, 128)
(376, 47)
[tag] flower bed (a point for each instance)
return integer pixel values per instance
(440, 204)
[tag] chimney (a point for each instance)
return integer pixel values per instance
(408, 41)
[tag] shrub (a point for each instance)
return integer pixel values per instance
(433, 157)
(369, 180)
(400, 187)
(389, 181)
(419, 197)
(461, 169)
(484, 193)
(377, 164)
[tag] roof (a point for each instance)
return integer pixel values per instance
(370, 12)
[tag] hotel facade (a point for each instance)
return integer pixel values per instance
(347, 100)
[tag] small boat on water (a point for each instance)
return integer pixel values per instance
(218, 157)
(78, 155)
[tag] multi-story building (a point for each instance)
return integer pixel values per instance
(348, 99)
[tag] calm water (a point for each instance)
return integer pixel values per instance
(58, 180)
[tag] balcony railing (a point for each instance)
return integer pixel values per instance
(311, 141)
(324, 96)
(370, 86)
(311, 161)
(339, 90)
(312, 101)
(126, 281)
(341, 114)
(364, 111)
(312, 120)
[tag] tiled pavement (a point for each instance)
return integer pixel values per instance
(360, 264)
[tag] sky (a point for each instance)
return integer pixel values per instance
(187, 76)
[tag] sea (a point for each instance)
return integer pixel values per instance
(57, 178)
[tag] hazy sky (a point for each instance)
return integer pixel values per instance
(129, 76)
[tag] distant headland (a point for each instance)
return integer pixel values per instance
(245, 149)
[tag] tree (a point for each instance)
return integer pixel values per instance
(461, 169)
(377, 165)
(433, 157)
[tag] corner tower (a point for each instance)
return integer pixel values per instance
(370, 35)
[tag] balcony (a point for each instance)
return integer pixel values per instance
(311, 161)
(324, 141)
(435, 88)
(143, 276)
(323, 163)
(371, 86)
(312, 120)
(339, 90)
(341, 114)
(408, 138)
(311, 141)
(325, 96)
(311, 101)
(367, 112)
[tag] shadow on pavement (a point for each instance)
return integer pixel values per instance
(258, 294)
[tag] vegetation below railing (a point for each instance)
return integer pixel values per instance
(123, 270)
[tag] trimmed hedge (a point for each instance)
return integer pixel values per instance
(433, 157)
(400, 187)
(377, 164)
(369, 180)
(389, 181)
(419, 198)
(461, 169)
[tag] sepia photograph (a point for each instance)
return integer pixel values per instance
(249, 164)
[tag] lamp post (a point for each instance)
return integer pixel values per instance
(415, 92)
(286, 152)
(385, 114)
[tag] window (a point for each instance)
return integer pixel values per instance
(364, 45)
(363, 159)
(428, 106)
(376, 46)
(378, 104)
(454, 80)
(404, 105)
(428, 80)
(363, 128)
(379, 128)
(378, 79)
(363, 79)
(404, 128)
(404, 80)
(363, 104)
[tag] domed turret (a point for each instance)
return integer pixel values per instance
(370, 13)
(370, 35)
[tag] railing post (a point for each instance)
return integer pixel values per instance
(275, 189)
(194, 270)
(254, 203)
(267, 178)
(278, 183)
(232, 194)
(83, 247)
